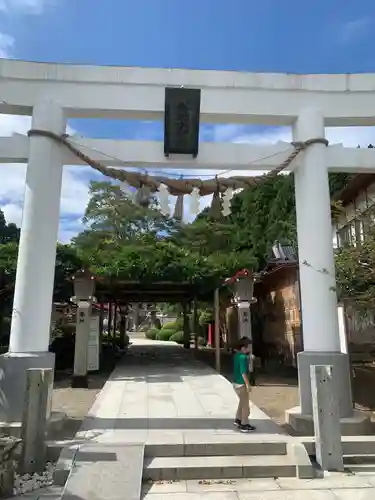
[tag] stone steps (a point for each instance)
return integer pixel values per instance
(351, 445)
(358, 451)
(360, 464)
(227, 457)
(217, 467)
(217, 448)
(363, 469)
(359, 459)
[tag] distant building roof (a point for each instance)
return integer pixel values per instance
(358, 183)
(284, 252)
(282, 256)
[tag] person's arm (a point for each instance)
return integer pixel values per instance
(246, 379)
(244, 367)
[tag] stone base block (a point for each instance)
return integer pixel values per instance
(13, 367)
(342, 379)
(55, 424)
(357, 425)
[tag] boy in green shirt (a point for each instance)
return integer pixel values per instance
(241, 383)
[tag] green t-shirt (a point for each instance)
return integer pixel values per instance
(240, 366)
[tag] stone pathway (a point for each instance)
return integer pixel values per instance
(159, 393)
(332, 487)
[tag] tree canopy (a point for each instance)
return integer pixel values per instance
(124, 241)
(128, 242)
(355, 271)
(8, 232)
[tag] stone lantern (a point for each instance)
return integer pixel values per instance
(84, 285)
(243, 298)
(84, 289)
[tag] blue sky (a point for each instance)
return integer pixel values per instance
(243, 35)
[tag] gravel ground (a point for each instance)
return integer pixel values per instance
(74, 402)
(276, 388)
(27, 483)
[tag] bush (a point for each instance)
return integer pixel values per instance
(64, 330)
(152, 333)
(165, 334)
(178, 337)
(206, 316)
(63, 348)
(173, 325)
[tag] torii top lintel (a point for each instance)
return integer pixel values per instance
(227, 96)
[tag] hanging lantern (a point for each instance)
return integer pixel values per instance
(179, 207)
(194, 200)
(227, 198)
(215, 209)
(164, 200)
(143, 196)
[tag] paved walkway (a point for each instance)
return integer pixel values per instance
(333, 487)
(159, 393)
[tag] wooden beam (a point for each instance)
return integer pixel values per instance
(217, 329)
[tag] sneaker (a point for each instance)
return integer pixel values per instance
(237, 422)
(246, 428)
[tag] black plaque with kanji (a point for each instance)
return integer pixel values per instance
(181, 123)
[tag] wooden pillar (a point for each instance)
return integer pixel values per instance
(195, 324)
(136, 316)
(115, 309)
(217, 329)
(109, 327)
(123, 321)
(186, 326)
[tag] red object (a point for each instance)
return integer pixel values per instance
(239, 274)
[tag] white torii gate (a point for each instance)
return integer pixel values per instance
(53, 92)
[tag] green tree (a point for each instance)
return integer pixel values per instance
(110, 211)
(67, 263)
(133, 243)
(355, 272)
(260, 215)
(8, 266)
(8, 232)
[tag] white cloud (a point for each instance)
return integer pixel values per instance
(351, 31)
(6, 45)
(348, 136)
(74, 187)
(24, 6)
(76, 179)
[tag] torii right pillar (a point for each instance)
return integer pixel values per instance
(321, 339)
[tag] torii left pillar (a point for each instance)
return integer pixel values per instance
(31, 318)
